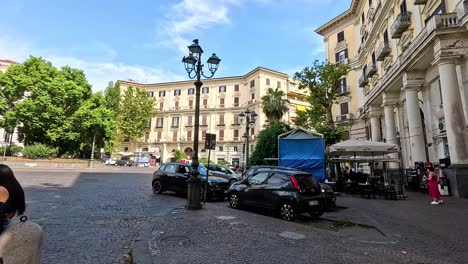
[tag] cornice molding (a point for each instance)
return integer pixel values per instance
(345, 16)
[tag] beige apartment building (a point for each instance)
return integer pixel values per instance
(221, 101)
(6, 137)
(408, 82)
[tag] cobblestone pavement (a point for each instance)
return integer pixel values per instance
(91, 216)
(97, 216)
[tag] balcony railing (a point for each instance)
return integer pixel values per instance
(401, 24)
(342, 62)
(372, 69)
(420, 2)
(344, 89)
(363, 81)
(383, 50)
(343, 118)
(446, 20)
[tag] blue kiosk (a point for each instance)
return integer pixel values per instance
(303, 150)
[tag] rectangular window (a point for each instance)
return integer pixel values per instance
(344, 86)
(161, 105)
(150, 94)
(363, 19)
(340, 36)
(175, 121)
(204, 120)
(252, 83)
(344, 108)
(253, 96)
(221, 102)
(221, 148)
(236, 119)
(235, 148)
(189, 135)
(159, 122)
(174, 136)
(222, 89)
(191, 91)
(252, 131)
(159, 135)
(189, 120)
(278, 84)
(236, 134)
(342, 55)
(203, 134)
(146, 136)
(221, 120)
(373, 59)
(205, 90)
(221, 135)
(370, 2)
(403, 8)
(236, 101)
(190, 104)
(176, 105)
(364, 71)
(236, 88)
(176, 92)
(162, 93)
(267, 81)
(205, 103)
(385, 37)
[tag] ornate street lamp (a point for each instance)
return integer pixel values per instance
(248, 118)
(194, 68)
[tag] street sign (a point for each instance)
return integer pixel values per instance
(210, 141)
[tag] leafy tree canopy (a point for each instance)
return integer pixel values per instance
(178, 155)
(135, 112)
(274, 104)
(267, 143)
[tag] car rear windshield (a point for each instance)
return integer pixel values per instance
(306, 181)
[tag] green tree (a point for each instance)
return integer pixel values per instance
(178, 155)
(112, 102)
(96, 122)
(274, 104)
(135, 112)
(323, 82)
(267, 143)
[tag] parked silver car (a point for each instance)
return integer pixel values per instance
(224, 172)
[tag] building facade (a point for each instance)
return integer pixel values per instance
(408, 82)
(221, 101)
(7, 137)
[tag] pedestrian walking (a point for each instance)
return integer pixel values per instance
(20, 243)
(433, 186)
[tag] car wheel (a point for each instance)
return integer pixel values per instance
(288, 211)
(315, 213)
(232, 181)
(233, 199)
(157, 187)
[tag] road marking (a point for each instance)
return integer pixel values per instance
(225, 217)
(292, 235)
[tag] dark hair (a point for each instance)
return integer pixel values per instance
(430, 168)
(16, 201)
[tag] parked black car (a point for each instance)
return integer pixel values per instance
(327, 191)
(173, 176)
(287, 190)
(124, 162)
(329, 195)
(224, 172)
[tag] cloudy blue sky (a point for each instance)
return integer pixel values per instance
(145, 40)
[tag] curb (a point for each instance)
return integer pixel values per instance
(140, 246)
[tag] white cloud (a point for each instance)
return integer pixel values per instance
(191, 16)
(98, 71)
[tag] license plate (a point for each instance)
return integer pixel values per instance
(313, 203)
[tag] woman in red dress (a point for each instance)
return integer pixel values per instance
(433, 186)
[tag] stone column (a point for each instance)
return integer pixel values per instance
(389, 102)
(411, 83)
(453, 112)
(375, 113)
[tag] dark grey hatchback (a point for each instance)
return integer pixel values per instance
(291, 192)
(173, 176)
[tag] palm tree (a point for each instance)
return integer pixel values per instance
(274, 105)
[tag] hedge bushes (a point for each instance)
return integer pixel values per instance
(11, 150)
(39, 151)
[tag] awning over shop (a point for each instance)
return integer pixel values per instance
(354, 147)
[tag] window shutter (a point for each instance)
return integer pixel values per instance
(337, 57)
(346, 53)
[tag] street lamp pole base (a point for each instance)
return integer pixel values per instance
(193, 195)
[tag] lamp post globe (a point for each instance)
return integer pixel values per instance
(194, 68)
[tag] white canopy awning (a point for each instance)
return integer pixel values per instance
(364, 159)
(354, 147)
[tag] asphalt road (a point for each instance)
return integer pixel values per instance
(91, 217)
(98, 216)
